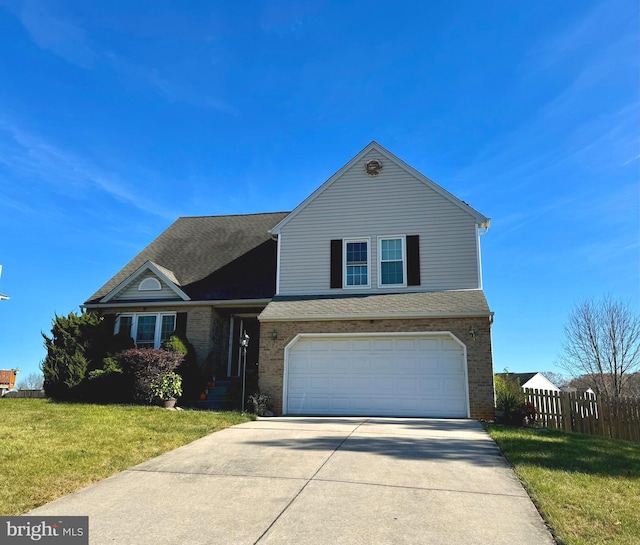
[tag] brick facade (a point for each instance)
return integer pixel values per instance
(479, 360)
(201, 326)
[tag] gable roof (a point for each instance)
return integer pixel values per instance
(481, 220)
(206, 257)
(167, 276)
(523, 378)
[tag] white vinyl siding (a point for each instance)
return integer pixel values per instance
(392, 202)
(131, 291)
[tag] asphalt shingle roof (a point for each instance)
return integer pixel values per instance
(209, 257)
(441, 304)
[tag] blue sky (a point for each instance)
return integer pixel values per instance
(118, 117)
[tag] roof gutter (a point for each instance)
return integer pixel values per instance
(218, 303)
(373, 316)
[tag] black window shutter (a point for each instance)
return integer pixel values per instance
(413, 260)
(181, 324)
(110, 322)
(336, 263)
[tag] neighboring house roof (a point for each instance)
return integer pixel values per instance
(525, 378)
(481, 220)
(366, 306)
(7, 378)
(211, 257)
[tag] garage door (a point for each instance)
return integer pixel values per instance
(390, 375)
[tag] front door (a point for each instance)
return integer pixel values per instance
(238, 326)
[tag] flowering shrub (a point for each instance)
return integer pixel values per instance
(529, 412)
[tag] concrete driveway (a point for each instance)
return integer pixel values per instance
(308, 481)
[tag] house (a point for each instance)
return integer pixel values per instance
(7, 380)
(533, 381)
(366, 299)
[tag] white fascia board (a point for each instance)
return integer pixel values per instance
(276, 230)
(218, 303)
(481, 220)
(147, 266)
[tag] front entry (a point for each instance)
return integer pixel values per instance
(238, 325)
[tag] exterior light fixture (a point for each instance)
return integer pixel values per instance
(274, 334)
(244, 342)
(472, 332)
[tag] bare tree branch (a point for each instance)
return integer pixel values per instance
(602, 340)
(33, 381)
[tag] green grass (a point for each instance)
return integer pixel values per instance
(586, 487)
(50, 449)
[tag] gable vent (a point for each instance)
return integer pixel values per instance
(150, 284)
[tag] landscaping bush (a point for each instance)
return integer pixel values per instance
(76, 345)
(166, 386)
(510, 399)
(260, 404)
(107, 385)
(192, 377)
(143, 366)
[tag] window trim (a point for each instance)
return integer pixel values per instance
(403, 238)
(157, 340)
(346, 241)
(151, 283)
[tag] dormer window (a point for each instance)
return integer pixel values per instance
(150, 284)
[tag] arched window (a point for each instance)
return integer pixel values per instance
(150, 284)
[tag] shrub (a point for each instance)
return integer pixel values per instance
(167, 386)
(76, 345)
(260, 403)
(192, 377)
(142, 366)
(107, 385)
(510, 398)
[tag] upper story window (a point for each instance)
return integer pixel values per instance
(147, 330)
(398, 262)
(356, 269)
(392, 262)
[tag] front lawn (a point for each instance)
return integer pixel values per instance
(49, 449)
(586, 487)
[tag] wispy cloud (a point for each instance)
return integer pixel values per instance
(55, 32)
(576, 125)
(64, 37)
(30, 156)
(172, 89)
(517, 220)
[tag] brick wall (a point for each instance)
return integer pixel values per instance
(200, 320)
(479, 360)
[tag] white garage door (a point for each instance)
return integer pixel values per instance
(392, 375)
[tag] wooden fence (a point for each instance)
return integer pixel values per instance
(585, 412)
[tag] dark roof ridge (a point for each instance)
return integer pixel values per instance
(234, 215)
